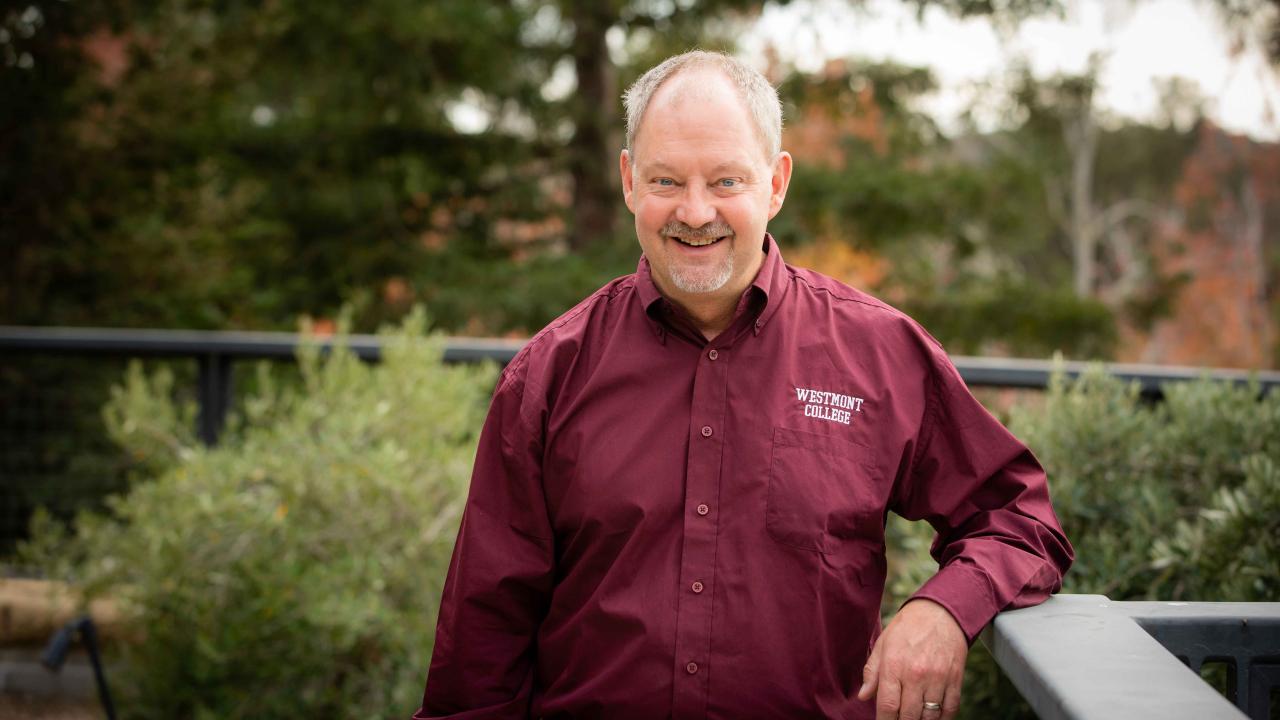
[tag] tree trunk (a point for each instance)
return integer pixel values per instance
(1082, 142)
(591, 155)
(1255, 311)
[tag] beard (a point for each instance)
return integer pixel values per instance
(696, 278)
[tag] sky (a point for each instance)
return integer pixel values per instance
(1141, 42)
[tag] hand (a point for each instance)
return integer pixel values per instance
(918, 658)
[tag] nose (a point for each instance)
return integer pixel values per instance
(695, 209)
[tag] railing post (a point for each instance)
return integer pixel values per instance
(1243, 636)
(1261, 681)
(215, 396)
(1084, 657)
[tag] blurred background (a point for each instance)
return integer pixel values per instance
(1024, 176)
(1099, 179)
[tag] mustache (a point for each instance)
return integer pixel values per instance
(682, 230)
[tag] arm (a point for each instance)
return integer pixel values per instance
(999, 546)
(500, 577)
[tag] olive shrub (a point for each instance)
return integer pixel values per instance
(295, 569)
(1176, 500)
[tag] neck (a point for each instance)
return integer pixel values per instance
(710, 315)
(712, 312)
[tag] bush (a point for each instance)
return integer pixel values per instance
(1172, 501)
(295, 569)
(1149, 493)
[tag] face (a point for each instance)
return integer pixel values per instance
(702, 188)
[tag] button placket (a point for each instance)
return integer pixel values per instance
(704, 466)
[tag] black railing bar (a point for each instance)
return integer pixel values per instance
(238, 344)
(1248, 644)
(1033, 373)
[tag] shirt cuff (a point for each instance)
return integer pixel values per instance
(966, 593)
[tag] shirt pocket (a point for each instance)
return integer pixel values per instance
(821, 494)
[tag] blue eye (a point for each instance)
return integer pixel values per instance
(665, 182)
(728, 182)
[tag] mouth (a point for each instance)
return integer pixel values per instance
(697, 242)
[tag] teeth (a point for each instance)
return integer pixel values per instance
(697, 243)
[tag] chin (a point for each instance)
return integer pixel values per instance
(702, 282)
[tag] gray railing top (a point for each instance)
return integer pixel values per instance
(1085, 657)
(977, 371)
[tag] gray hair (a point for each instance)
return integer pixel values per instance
(760, 97)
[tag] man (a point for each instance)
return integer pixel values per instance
(678, 502)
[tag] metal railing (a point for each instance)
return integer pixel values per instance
(217, 351)
(1085, 657)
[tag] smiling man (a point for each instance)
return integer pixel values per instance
(678, 502)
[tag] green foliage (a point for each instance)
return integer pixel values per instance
(54, 449)
(143, 417)
(1172, 501)
(1126, 473)
(1011, 314)
(967, 225)
(238, 173)
(295, 568)
(237, 164)
(1060, 156)
(1178, 500)
(1231, 549)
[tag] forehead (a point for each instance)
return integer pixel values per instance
(698, 114)
(697, 84)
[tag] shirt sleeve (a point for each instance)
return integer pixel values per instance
(499, 582)
(999, 544)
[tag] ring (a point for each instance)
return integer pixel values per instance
(932, 706)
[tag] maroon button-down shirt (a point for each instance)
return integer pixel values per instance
(660, 526)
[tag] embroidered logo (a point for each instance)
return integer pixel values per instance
(833, 407)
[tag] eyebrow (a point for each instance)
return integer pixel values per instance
(732, 167)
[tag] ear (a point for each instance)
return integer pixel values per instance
(779, 182)
(628, 179)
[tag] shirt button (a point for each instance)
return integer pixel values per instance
(706, 431)
(703, 509)
(713, 354)
(697, 587)
(691, 668)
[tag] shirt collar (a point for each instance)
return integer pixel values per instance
(763, 296)
(771, 282)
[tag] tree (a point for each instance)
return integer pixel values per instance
(960, 228)
(238, 163)
(1253, 21)
(1106, 190)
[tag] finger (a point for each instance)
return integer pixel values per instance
(888, 699)
(951, 703)
(911, 702)
(934, 695)
(870, 675)
(951, 689)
